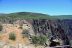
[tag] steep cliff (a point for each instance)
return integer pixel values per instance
(60, 29)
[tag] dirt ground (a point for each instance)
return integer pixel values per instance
(8, 28)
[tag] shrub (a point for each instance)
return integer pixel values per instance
(12, 36)
(43, 39)
(20, 27)
(39, 40)
(35, 40)
(1, 27)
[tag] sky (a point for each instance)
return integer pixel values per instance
(50, 7)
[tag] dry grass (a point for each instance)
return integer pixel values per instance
(7, 28)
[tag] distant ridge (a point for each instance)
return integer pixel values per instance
(31, 15)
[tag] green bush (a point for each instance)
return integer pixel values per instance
(1, 27)
(39, 40)
(43, 40)
(12, 36)
(35, 40)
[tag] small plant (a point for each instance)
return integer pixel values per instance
(20, 27)
(12, 36)
(1, 27)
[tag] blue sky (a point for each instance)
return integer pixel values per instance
(51, 7)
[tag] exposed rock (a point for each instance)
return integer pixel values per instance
(56, 29)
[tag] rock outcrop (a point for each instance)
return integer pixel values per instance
(58, 29)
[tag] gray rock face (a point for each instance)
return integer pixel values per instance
(60, 29)
(56, 29)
